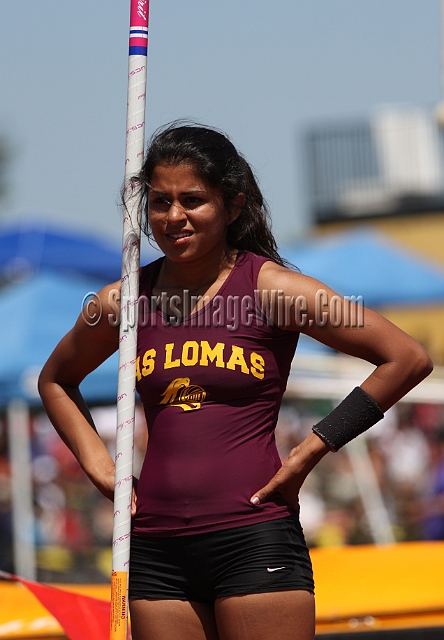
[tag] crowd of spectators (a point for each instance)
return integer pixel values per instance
(407, 453)
(73, 522)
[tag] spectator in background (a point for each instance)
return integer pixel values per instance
(5, 516)
(432, 520)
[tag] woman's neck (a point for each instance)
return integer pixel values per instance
(197, 274)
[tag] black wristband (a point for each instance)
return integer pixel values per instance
(354, 415)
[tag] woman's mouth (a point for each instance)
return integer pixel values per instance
(178, 236)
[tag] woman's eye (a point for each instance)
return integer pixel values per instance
(159, 203)
(162, 204)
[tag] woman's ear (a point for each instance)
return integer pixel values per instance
(236, 205)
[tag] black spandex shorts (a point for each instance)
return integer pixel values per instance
(258, 558)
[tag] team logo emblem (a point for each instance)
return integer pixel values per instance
(180, 393)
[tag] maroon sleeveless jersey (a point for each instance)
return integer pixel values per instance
(211, 386)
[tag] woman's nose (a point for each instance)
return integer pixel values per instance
(176, 211)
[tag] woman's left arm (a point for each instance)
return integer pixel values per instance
(400, 362)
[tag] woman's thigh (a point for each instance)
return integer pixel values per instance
(281, 615)
(172, 620)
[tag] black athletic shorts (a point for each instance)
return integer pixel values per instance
(258, 558)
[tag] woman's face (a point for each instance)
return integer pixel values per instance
(187, 216)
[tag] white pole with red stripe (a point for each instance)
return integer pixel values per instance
(135, 141)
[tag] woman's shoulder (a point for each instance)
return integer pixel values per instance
(251, 260)
(107, 294)
(275, 276)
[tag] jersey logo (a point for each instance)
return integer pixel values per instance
(180, 393)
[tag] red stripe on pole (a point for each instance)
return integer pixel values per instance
(139, 13)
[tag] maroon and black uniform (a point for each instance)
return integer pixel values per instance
(211, 391)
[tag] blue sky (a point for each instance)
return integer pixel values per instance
(262, 71)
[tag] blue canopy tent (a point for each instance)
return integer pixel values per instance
(31, 245)
(36, 312)
(367, 263)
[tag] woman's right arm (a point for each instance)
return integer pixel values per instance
(81, 351)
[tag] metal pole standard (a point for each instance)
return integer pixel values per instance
(19, 438)
(135, 141)
(370, 492)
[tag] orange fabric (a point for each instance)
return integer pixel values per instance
(81, 617)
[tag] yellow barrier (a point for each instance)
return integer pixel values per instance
(368, 587)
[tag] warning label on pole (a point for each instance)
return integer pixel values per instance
(118, 605)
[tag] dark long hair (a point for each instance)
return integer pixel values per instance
(214, 157)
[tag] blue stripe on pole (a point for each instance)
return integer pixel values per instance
(138, 51)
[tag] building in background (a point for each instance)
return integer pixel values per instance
(389, 165)
(386, 173)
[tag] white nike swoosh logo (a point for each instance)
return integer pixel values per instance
(277, 569)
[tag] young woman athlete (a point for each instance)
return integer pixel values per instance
(217, 551)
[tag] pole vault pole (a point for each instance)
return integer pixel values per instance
(135, 141)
